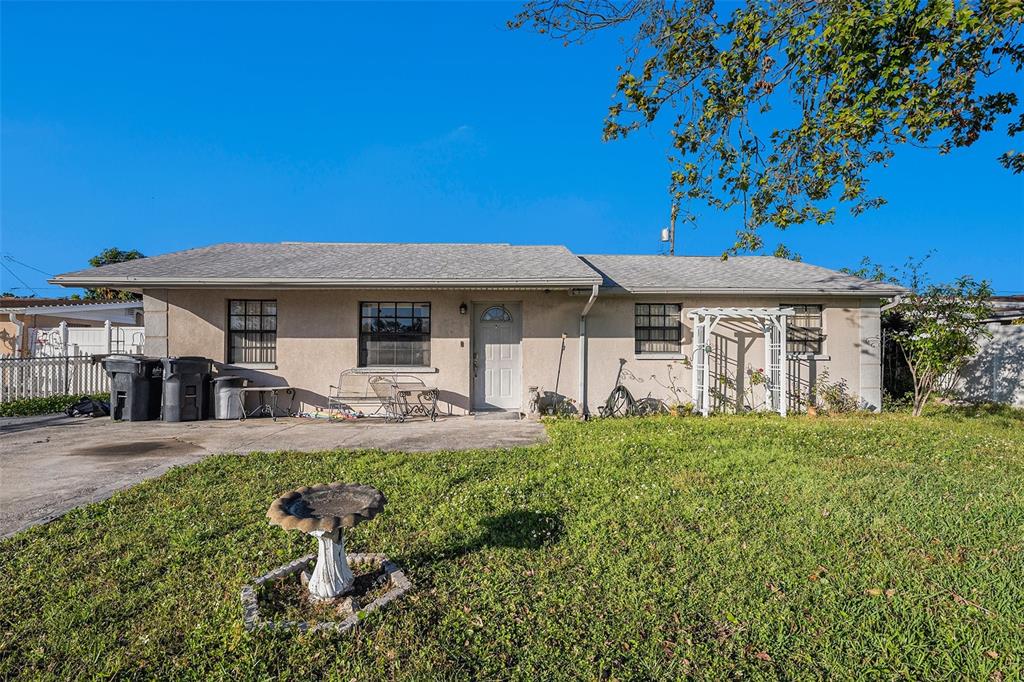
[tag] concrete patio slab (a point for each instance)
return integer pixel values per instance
(52, 464)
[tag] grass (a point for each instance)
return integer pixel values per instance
(846, 547)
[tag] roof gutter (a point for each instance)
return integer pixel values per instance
(584, 411)
(860, 293)
(287, 283)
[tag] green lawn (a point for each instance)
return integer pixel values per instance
(862, 546)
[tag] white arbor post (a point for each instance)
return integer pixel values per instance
(773, 341)
(783, 368)
(107, 331)
(699, 360)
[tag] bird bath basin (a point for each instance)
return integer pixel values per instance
(325, 511)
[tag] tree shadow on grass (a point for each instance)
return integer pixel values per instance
(520, 530)
(977, 410)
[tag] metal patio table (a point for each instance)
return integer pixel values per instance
(417, 399)
(265, 408)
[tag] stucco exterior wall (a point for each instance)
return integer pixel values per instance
(318, 337)
(737, 347)
(318, 332)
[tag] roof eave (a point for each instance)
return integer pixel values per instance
(318, 283)
(69, 309)
(682, 291)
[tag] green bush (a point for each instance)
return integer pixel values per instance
(24, 407)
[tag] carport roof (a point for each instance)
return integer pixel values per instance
(351, 265)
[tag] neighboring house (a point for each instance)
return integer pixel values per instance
(996, 373)
(28, 322)
(486, 323)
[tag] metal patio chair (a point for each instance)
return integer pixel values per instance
(386, 391)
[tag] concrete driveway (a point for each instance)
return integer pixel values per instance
(52, 464)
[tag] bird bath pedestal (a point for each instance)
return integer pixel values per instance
(325, 511)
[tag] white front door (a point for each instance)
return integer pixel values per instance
(497, 358)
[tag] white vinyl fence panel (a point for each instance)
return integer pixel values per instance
(48, 376)
(996, 373)
(50, 341)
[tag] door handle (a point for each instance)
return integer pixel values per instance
(475, 365)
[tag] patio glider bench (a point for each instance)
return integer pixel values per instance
(394, 396)
(352, 393)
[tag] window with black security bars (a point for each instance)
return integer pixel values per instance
(804, 333)
(252, 331)
(657, 328)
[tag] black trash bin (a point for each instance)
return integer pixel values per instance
(226, 403)
(186, 388)
(134, 387)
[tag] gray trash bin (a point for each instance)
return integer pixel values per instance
(134, 387)
(186, 390)
(226, 404)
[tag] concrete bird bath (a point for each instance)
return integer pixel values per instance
(325, 511)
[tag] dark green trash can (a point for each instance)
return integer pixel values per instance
(134, 387)
(186, 391)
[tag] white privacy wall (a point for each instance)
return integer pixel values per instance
(996, 373)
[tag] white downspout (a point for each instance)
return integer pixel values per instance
(584, 412)
(896, 300)
(19, 328)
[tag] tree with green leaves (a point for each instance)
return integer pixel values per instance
(933, 330)
(107, 257)
(938, 331)
(781, 107)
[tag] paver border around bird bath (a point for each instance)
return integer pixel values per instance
(251, 608)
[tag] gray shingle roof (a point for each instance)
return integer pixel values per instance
(309, 264)
(738, 274)
(346, 264)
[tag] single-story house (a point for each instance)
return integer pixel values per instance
(21, 317)
(490, 324)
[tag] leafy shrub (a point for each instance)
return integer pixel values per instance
(24, 407)
(897, 403)
(834, 395)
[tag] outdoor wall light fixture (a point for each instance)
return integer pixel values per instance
(462, 309)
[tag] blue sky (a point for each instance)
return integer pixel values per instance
(166, 126)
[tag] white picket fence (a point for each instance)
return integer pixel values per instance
(47, 376)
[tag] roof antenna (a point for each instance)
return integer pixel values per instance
(668, 234)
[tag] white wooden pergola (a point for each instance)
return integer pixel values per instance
(773, 321)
